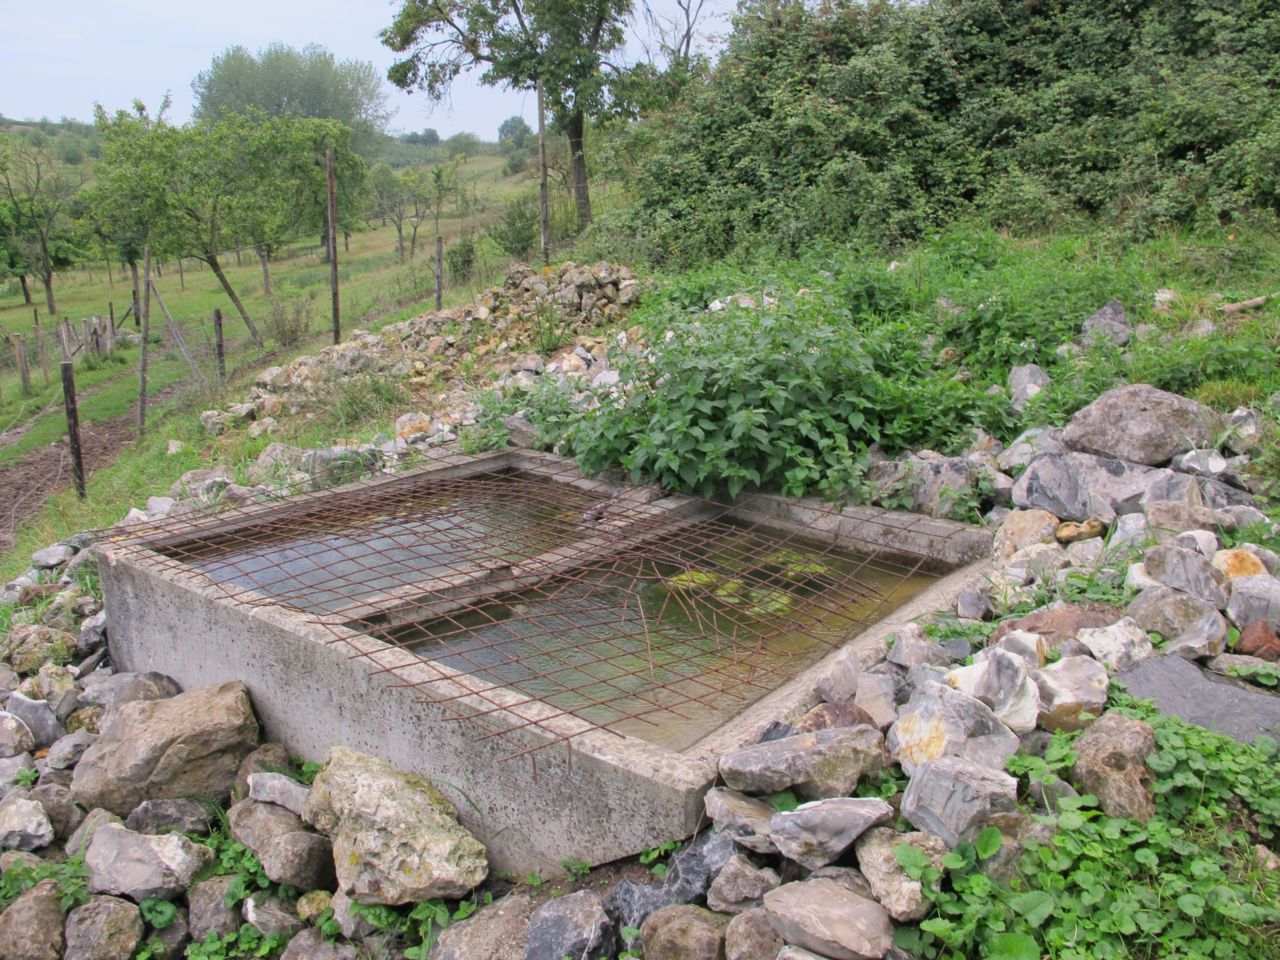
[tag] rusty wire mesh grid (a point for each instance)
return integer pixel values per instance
(520, 583)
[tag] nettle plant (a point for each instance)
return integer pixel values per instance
(788, 398)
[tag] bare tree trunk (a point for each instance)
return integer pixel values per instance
(346, 241)
(137, 304)
(46, 277)
(26, 292)
(212, 260)
(266, 271)
(400, 240)
(413, 240)
(578, 161)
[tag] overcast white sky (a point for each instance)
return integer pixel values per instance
(58, 58)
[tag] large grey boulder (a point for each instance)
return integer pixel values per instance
(59, 807)
(1082, 486)
(1118, 646)
(1029, 445)
(954, 798)
(24, 825)
(1194, 626)
(827, 763)
(67, 751)
(188, 745)
(279, 789)
(740, 885)
(105, 928)
(816, 834)
(170, 816)
(684, 933)
(31, 927)
(827, 918)
(310, 944)
(939, 721)
(113, 689)
(1140, 423)
(890, 884)
(573, 926)
(930, 486)
(141, 866)
(38, 717)
(629, 904)
(79, 840)
(290, 854)
(396, 838)
(1111, 763)
(1182, 689)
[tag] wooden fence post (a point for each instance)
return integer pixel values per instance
(20, 358)
(439, 270)
(73, 425)
(218, 346)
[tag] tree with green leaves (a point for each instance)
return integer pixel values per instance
(516, 43)
(282, 81)
(515, 131)
(38, 191)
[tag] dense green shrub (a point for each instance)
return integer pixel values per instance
(887, 119)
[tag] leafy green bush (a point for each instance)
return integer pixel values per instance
(886, 120)
(517, 232)
(288, 322)
(1185, 884)
(461, 260)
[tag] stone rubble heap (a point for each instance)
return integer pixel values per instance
(428, 349)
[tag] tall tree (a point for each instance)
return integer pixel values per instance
(282, 81)
(38, 191)
(516, 43)
(515, 131)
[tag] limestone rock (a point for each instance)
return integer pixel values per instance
(290, 854)
(740, 885)
(822, 916)
(188, 745)
(24, 825)
(629, 904)
(115, 689)
(279, 789)
(1082, 486)
(270, 915)
(828, 763)
(876, 699)
(1257, 639)
(684, 933)
(31, 927)
(839, 682)
(1023, 528)
(169, 816)
(1108, 325)
(572, 926)
(1025, 382)
(829, 716)
(1027, 446)
(105, 928)
(750, 936)
(1187, 571)
(38, 717)
(311, 945)
(15, 736)
(1192, 624)
(79, 840)
(913, 648)
(265, 758)
(59, 807)
(954, 798)
(816, 834)
(496, 932)
(1140, 423)
(743, 818)
(396, 838)
(1073, 693)
(1111, 763)
(27, 646)
(140, 866)
(1118, 646)
(695, 865)
(939, 721)
(1239, 562)
(891, 887)
(1001, 681)
(209, 912)
(1253, 599)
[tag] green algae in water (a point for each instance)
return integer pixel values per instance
(660, 653)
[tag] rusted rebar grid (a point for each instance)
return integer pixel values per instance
(524, 598)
